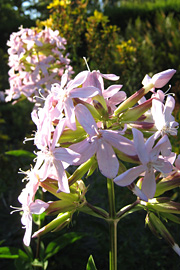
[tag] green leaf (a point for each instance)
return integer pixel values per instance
(61, 242)
(9, 253)
(37, 263)
(19, 153)
(12, 253)
(91, 264)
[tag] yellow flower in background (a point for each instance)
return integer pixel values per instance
(57, 3)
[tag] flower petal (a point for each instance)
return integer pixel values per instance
(107, 160)
(129, 176)
(87, 148)
(112, 90)
(86, 119)
(70, 114)
(160, 79)
(84, 92)
(118, 141)
(78, 80)
(28, 232)
(66, 154)
(38, 207)
(149, 184)
(140, 146)
(62, 177)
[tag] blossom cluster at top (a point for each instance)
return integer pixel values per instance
(81, 120)
(36, 60)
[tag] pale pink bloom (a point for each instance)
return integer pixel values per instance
(29, 207)
(52, 158)
(164, 121)
(162, 115)
(64, 93)
(112, 95)
(150, 160)
(159, 79)
(101, 143)
(34, 65)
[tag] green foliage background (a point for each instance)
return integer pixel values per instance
(130, 41)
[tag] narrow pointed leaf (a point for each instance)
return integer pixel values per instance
(91, 264)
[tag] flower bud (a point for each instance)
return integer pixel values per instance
(60, 220)
(160, 79)
(156, 224)
(134, 113)
(168, 183)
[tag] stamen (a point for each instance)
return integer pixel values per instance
(27, 139)
(17, 209)
(86, 64)
(167, 94)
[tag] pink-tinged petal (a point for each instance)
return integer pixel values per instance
(94, 79)
(78, 80)
(84, 92)
(149, 184)
(168, 108)
(146, 80)
(138, 192)
(167, 148)
(107, 160)
(149, 143)
(177, 162)
(64, 79)
(163, 166)
(63, 184)
(140, 146)
(38, 207)
(118, 141)
(126, 178)
(28, 232)
(65, 154)
(58, 131)
(159, 95)
(111, 77)
(111, 90)
(70, 114)
(160, 79)
(171, 158)
(23, 198)
(157, 113)
(160, 146)
(44, 170)
(87, 148)
(86, 119)
(117, 98)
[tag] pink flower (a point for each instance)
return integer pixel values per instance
(159, 79)
(29, 207)
(151, 161)
(63, 95)
(101, 143)
(51, 158)
(36, 62)
(112, 95)
(162, 116)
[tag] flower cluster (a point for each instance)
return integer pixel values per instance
(86, 125)
(36, 60)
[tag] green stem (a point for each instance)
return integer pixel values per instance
(112, 226)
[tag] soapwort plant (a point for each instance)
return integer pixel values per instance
(91, 128)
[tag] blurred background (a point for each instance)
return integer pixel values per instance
(128, 38)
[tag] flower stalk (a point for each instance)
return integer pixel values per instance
(112, 226)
